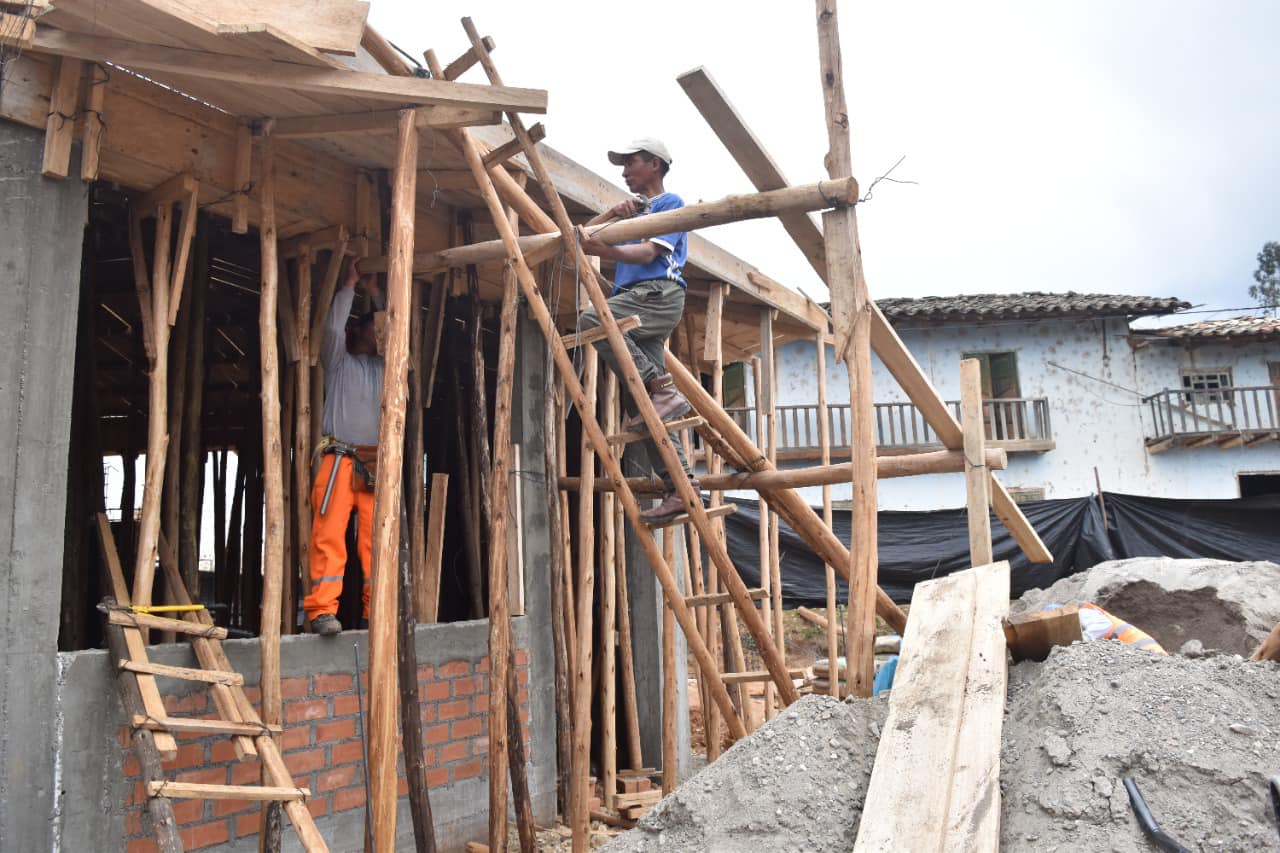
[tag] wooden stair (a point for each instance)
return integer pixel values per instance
(153, 727)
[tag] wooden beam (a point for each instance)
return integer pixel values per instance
(184, 673)
(373, 121)
(61, 125)
(252, 73)
(17, 30)
(182, 253)
(500, 155)
(590, 336)
(203, 791)
(135, 619)
(192, 725)
(91, 140)
(179, 187)
(977, 480)
(1031, 636)
(387, 492)
(243, 177)
(459, 66)
(383, 53)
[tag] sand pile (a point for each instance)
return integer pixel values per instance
(1200, 735)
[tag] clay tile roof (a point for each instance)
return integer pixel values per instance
(1026, 306)
(1229, 327)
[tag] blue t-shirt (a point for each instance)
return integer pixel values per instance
(669, 262)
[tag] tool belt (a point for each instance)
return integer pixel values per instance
(364, 461)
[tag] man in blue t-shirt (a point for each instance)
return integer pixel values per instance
(647, 283)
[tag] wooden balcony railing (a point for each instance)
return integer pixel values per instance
(1227, 417)
(1016, 424)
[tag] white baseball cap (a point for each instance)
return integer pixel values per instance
(653, 146)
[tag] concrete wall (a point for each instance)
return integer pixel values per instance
(1094, 382)
(41, 232)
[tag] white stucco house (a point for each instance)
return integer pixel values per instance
(1186, 411)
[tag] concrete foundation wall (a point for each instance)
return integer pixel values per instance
(41, 233)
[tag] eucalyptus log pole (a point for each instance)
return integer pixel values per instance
(415, 763)
(288, 410)
(553, 432)
(471, 526)
(429, 598)
(626, 655)
(273, 464)
(386, 527)
(193, 452)
(824, 450)
(977, 480)
(579, 821)
(798, 514)
(766, 575)
(157, 408)
(608, 615)
(669, 780)
(302, 421)
(415, 473)
(769, 384)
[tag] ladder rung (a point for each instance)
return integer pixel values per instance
(179, 626)
(184, 672)
(202, 727)
(715, 598)
(590, 336)
(755, 675)
(683, 518)
(672, 426)
(203, 791)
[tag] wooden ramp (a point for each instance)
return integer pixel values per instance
(153, 727)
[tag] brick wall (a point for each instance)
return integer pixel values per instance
(321, 748)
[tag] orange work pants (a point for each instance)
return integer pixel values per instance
(329, 537)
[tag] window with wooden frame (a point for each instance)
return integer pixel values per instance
(1206, 385)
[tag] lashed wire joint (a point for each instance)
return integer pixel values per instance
(885, 177)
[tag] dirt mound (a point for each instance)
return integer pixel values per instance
(1229, 607)
(796, 784)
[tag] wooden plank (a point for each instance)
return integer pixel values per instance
(500, 155)
(387, 494)
(712, 346)
(973, 817)
(132, 619)
(190, 725)
(977, 480)
(906, 809)
(429, 600)
(17, 30)
(265, 74)
(684, 518)
(333, 26)
(61, 125)
(671, 426)
(182, 672)
(590, 336)
(243, 172)
(1031, 636)
(267, 42)
(376, 121)
(203, 791)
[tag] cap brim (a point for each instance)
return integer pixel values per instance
(619, 158)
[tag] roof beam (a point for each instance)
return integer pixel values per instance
(383, 120)
(285, 75)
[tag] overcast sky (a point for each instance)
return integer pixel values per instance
(1108, 147)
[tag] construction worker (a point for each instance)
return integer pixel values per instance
(348, 452)
(647, 283)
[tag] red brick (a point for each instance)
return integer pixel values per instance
(338, 777)
(402, 787)
(222, 752)
(246, 773)
(437, 776)
(345, 706)
(348, 798)
(189, 755)
(522, 677)
(222, 808)
(131, 767)
(426, 672)
(249, 824)
(142, 845)
(469, 727)
(480, 746)
(335, 731)
(133, 822)
(295, 737)
(205, 776)
(455, 709)
(467, 770)
(125, 736)
(454, 751)
(464, 686)
(433, 691)
(435, 734)
(195, 702)
(428, 712)
(205, 835)
(483, 666)
(318, 806)
(188, 811)
(454, 668)
(308, 709)
(305, 761)
(346, 753)
(294, 688)
(253, 694)
(524, 715)
(522, 697)
(522, 657)
(338, 683)
(429, 757)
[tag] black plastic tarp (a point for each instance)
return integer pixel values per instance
(917, 546)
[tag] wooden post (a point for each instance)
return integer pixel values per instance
(415, 763)
(851, 315)
(243, 172)
(91, 139)
(669, 780)
(766, 575)
(630, 709)
(386, 529)
(977, 479)
(302, 427)
(579, 820)
(272, 456)
(824, 450)
(193, 455)
(769, 412)
(553, 435)
(60, 126)
(428, 604)
(608, 615)
(415, 473)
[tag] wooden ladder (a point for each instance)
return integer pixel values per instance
(153, 728)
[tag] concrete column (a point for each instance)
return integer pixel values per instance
(644, 596)
(42, 223)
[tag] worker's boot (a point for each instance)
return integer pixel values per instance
(671, 506)
(669, 402)
(326, 625)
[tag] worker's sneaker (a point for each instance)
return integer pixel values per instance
(671, 506)
(326, 625)
(669, 402)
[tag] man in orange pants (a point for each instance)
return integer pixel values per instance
(352, 404)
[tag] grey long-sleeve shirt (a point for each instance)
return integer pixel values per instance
(352, 383)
